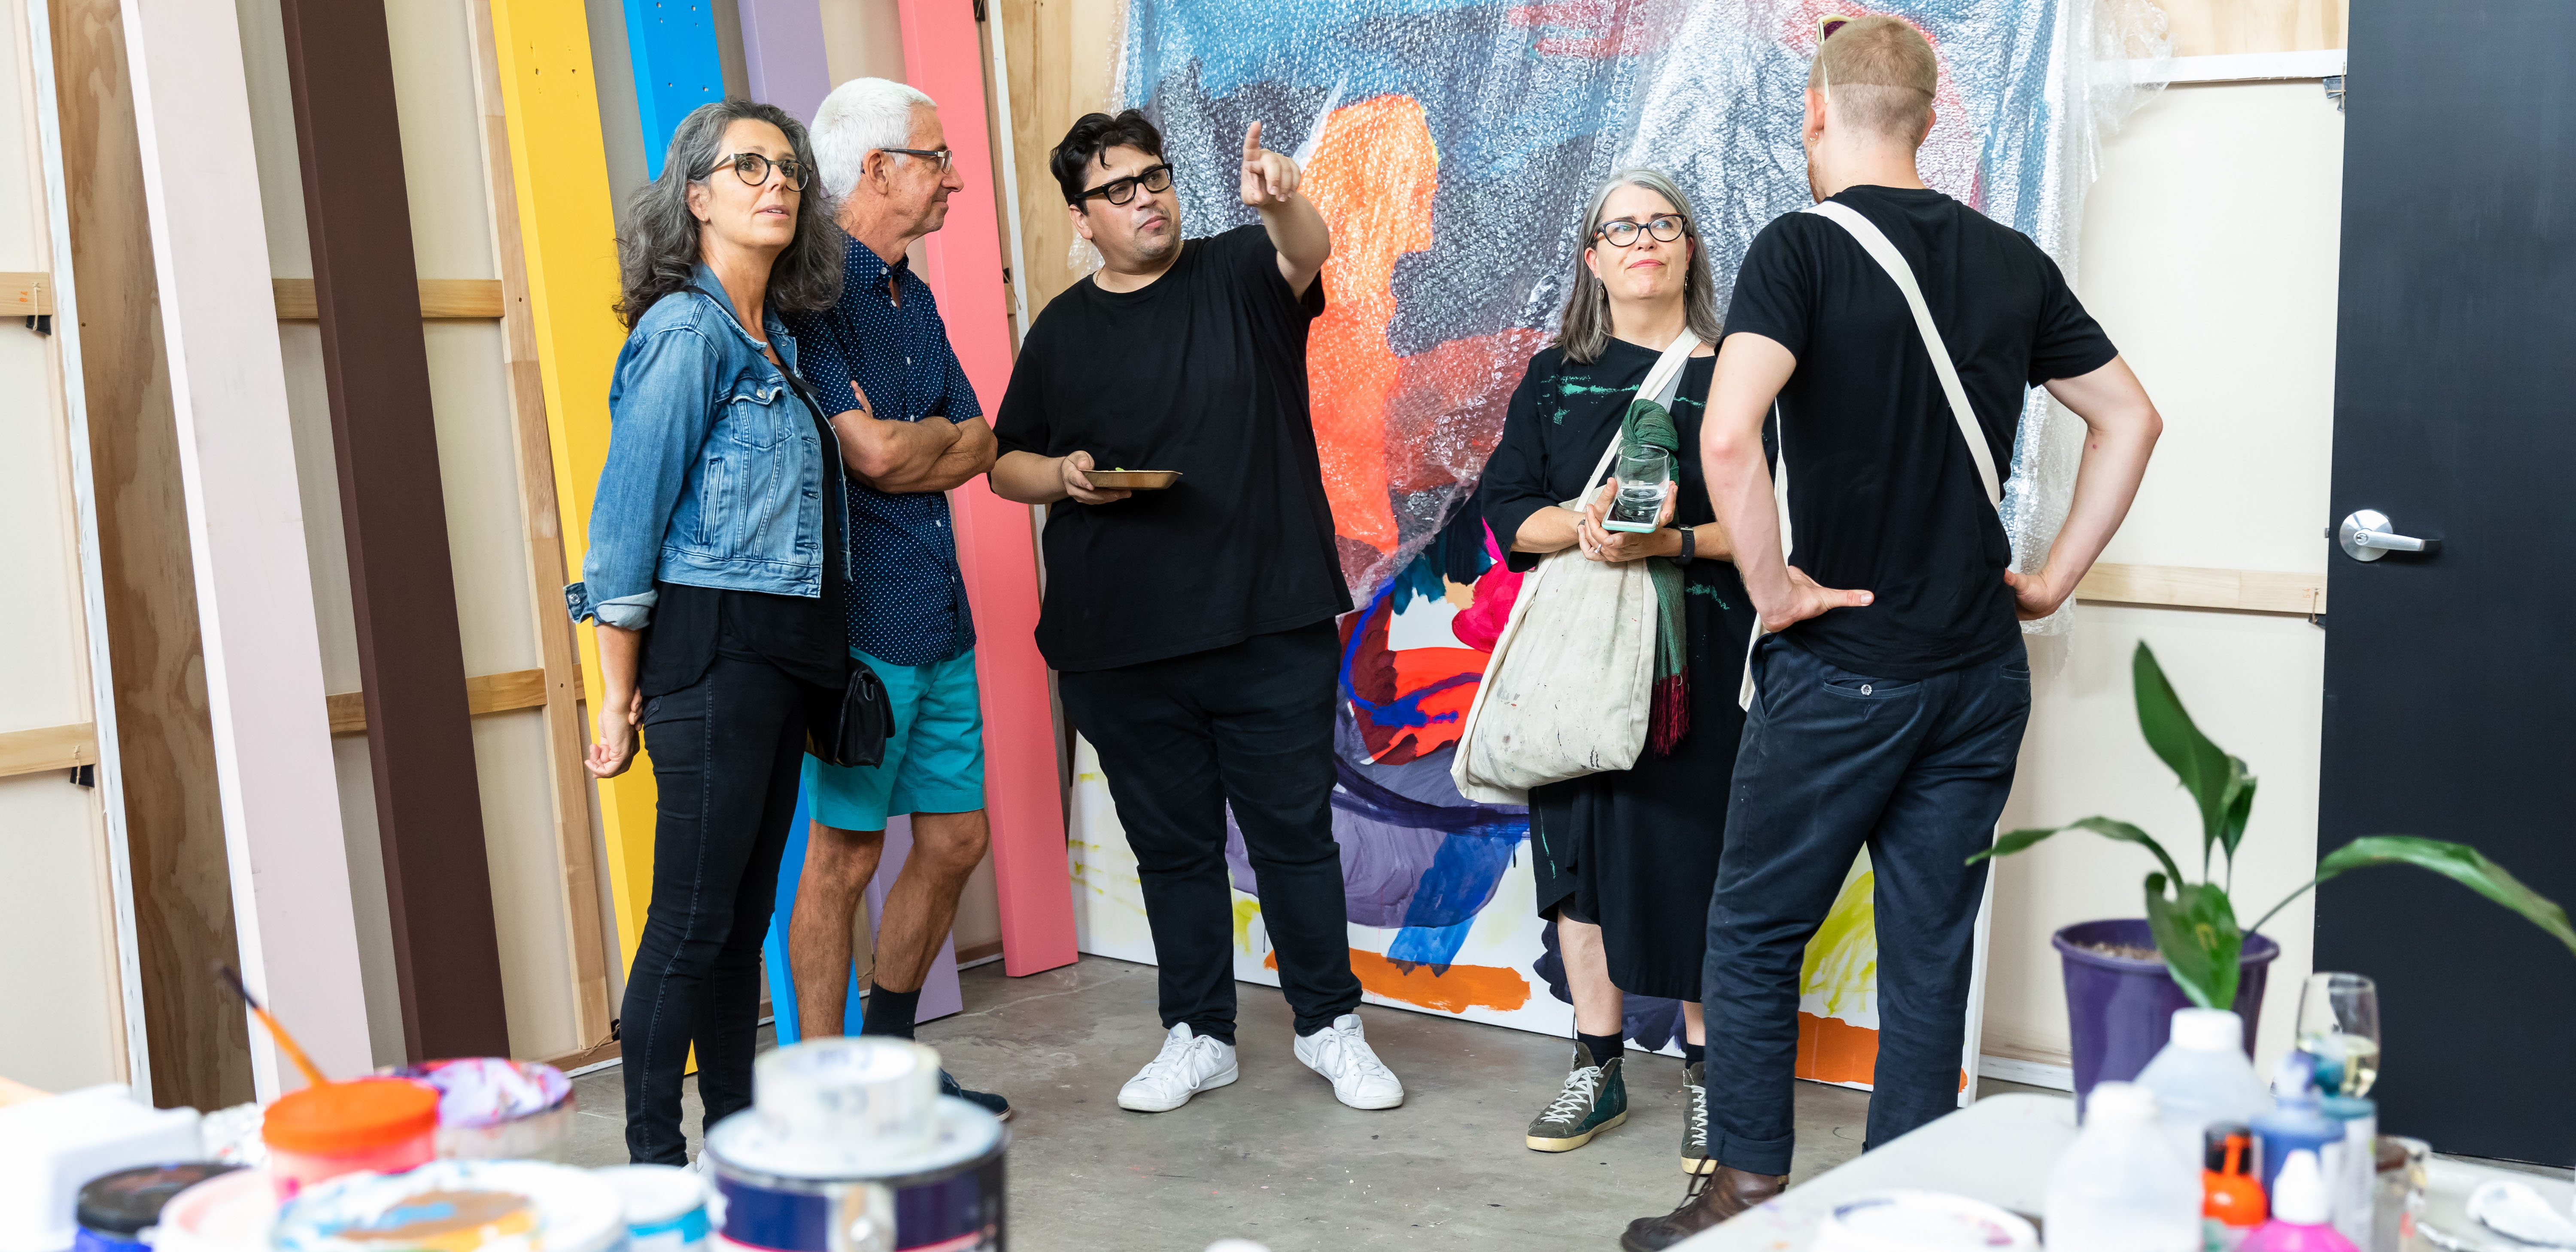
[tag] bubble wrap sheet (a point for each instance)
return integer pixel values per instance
(1453, 145)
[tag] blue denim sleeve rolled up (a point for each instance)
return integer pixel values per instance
(660, 410)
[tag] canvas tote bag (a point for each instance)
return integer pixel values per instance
(1568, 691)
(1876, 244)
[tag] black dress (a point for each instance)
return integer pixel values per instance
(1634, 852)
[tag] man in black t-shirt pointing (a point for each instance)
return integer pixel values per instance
(1191, 627)
(1888, 704)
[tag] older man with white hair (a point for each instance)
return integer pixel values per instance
(910, 429)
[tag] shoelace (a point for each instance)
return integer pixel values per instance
(1341, 1052)
(1699, 1115)
(1579, 1088)
(1171, 1057)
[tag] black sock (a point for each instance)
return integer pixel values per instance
(1693, 1053)
(1602, 1047)
(890, 1012)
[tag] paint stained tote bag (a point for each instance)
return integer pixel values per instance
(1569, 691)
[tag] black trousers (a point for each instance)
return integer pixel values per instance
(1248, 726)
(726, 751)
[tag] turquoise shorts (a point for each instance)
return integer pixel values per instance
(934, 760)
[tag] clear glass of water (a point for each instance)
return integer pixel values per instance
(1644, 473)
(2339, 1026)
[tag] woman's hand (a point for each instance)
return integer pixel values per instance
(614, 750)
(1617, 547)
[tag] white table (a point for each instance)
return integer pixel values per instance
(2001, 1149)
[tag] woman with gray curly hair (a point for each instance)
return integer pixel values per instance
(1626, 860)
(715, 577)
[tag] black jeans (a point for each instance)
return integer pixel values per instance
(1180, 740)
(726, 751)
(1917, 769)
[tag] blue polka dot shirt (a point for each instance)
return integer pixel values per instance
(907, 600)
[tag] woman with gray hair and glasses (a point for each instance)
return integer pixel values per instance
(1626, 861)
(715, 576)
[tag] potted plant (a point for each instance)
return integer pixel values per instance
(2125, 978)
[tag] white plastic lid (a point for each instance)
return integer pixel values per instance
(2208, 1030)
(1922, 1221)
(2299, 1194)
(2120, 1101)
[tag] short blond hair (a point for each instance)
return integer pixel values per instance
(1880, 74)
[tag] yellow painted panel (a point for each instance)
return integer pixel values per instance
(559, 165)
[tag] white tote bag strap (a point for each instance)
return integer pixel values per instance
(1662, 383)
(1875, 243)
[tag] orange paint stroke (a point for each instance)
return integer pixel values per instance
(1373, 178)
(1833, 1050)
(1455, 990)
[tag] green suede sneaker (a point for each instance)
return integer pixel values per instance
(1695, 1158)
(1594, 1100)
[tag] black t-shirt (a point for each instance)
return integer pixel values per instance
(1883, 495)
(1203, 371)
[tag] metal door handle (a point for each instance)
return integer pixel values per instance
(2365, 536)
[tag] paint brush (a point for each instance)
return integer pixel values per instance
(1306, 151)
(285, 1041)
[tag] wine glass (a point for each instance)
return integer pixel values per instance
(2339, 1026)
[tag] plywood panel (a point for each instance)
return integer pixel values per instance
(198, 1042)
(1062, 61)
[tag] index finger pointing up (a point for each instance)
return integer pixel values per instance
(1252, 142)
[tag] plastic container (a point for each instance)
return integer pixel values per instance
(2296, 1122)
(379, 1125)
(457, 1206)
(2121, 1187)
(2299, 1212)
(666, 1206)
(51, 1145)
(2351, 1165)
(2203, 1078)
(115, 1209)
(492, 1108)
(2231, 1202)
(230, 1213)
(1921, 1221)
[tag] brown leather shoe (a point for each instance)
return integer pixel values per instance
(1713, 1199)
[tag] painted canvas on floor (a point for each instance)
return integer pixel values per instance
(1451, 144)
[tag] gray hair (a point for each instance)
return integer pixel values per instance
(861, 116)
(658, 252)
(1585, 330)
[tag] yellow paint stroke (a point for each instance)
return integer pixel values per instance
(1842, 958)
(1244, 911)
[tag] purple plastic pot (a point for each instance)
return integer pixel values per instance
(2120, 1010)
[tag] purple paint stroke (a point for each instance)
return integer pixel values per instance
(782, 54)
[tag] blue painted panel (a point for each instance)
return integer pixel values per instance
(677, 67)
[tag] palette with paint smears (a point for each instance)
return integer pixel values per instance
(1133, 480)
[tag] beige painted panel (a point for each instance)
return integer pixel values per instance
(442, 144)
(2203, 27)
(862, 39)
(60, 979)
(527, 883)
(477, 467)
(367, 896)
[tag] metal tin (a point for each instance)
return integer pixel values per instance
(945, 1197)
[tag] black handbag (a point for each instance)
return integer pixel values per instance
(852, 731)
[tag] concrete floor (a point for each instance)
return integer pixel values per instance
(1274, 1158)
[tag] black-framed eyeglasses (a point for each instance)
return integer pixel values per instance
(1665, 227)
(753, 169)
(1154, 179)
(945, 157)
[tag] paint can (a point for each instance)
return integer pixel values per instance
(228, 1213)
(457, 1206)
(666, 1206)
(379, 1125)
(849, 1147)
(491, 1108)
(113, 1210)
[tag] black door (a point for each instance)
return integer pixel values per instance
(2450, 697)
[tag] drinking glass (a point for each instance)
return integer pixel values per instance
(1644, 470)
(2339, 1026)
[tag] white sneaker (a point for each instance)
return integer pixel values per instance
(1188, 1064)
(1341, 1052)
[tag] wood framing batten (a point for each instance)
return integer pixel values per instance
(441, 299)
(2192, 587)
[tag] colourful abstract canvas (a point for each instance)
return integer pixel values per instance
(1451, 146)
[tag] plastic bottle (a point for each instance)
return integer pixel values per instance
(2121, 1187)
(2231, 1203)
(2203, 1077)
(2352, 1165)
(2299, 1212)
(2295, 1122)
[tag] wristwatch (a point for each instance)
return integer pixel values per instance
(1690, 545)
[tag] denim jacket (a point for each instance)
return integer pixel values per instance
(714, 472)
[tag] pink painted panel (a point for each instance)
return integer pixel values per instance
(995, 552)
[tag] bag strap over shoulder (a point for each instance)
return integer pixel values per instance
(1876, 244)
(1662, 383)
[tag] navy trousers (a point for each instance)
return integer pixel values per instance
(1917, 770)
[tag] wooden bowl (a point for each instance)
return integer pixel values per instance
(1133, 480)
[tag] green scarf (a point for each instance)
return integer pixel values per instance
(1648, 423)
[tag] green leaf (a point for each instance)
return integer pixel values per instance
(2219, 783)
(2196, 931)
(2103, 826)
(2461, 864)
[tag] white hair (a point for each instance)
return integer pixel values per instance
(861, 116)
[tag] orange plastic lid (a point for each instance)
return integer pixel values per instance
(345, 1117)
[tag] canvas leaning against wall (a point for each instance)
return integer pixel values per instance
(1451, 147)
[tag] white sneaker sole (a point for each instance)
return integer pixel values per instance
(1138, 1104)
